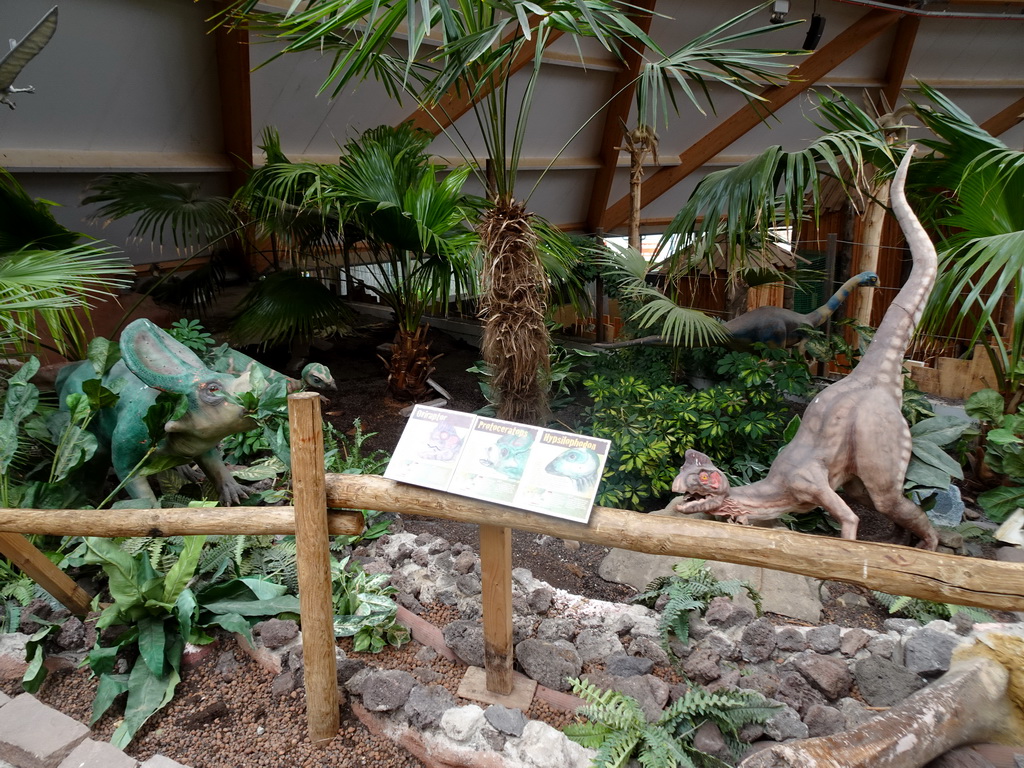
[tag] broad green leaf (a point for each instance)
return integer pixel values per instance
(941, 430)
(76, 447)
(185, 611)
(77, 405)
(8, 443)
(146, 691)
(985, 405)
(36, 672)
(99, 396)
(1000, 503)
(101, 659)
(1002, 437)
(22, 395)
(103, 353)
(152, 639)
(271, 607)
(925, 475)
(123, 570)
(264, 589)
(233, 622)
(109, 688)
(932, 454)
(182, 571)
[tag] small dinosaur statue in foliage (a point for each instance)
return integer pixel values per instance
(153, 362)
(773, 326)
(315, 376)
(853, 435)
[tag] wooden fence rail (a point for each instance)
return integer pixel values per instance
(319, 511)
(887, 567)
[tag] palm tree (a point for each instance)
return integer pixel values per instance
(478, 43)
(47, 277)
(968, 189)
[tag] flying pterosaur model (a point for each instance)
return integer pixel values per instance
(22, 53)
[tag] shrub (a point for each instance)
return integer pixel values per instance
(739, 422)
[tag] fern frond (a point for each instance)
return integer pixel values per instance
(616, 750)
(589, 735)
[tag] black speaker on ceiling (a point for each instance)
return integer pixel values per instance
(814, 33)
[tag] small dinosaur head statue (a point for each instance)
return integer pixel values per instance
(867, 279)
(163, 363)
(700, 479)
(317, 376)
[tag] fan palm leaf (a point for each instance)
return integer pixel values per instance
(164, 208)
(285, 306)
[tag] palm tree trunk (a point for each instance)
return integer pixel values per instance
(516, 339)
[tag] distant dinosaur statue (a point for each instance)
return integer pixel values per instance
(853, 435)
(22, 53)
(773, 326)
(315, 376)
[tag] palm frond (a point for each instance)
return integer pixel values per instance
(287, 305)
(165, 209)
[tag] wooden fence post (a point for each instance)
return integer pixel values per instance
(41, 570)
(314, 566)
(496, 599)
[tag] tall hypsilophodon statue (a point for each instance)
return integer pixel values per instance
(853, 435)
(773, 326)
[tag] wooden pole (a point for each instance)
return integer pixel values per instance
(496, 599)
(45, 573)
(314, 566)
(182, 521)
(894, 569)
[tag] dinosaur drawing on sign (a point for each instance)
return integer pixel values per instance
(581, 465)
(22, 53)
(508, 455)
(773, 326)
(853, 435)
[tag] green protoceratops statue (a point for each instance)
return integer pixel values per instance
(153, 362)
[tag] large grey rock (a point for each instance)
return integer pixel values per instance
(277, 633)
(824, 639)
(823, 721)
(466, 640)
(786, 725)
(549, 663)
(623, 665)
(597, 645)
(426, 704)
(506, 720)
(709, 740)
(757, 643)
(785, 594)
(828, 674)
(387, 690)
(928, 652)
(884, 683)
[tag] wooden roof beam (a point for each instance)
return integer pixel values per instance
(815, 66)
(454, 105)
(899, 60)
(1000, 123)
(233, 68)
(616, 115)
